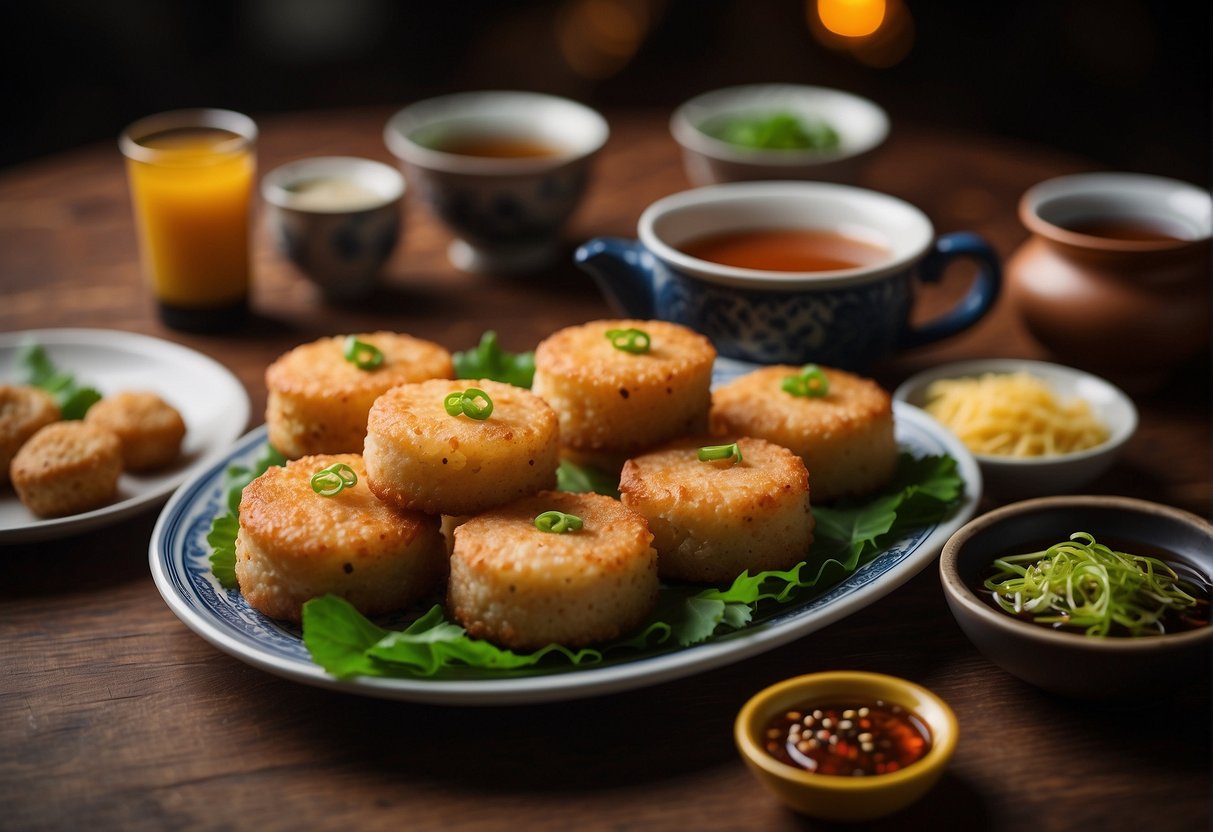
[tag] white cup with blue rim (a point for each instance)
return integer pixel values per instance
(850, 318)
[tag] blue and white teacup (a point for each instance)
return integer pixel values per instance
(338, 219)
(503, 170)
(849, 318)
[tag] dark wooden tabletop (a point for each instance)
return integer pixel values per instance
(114, 715)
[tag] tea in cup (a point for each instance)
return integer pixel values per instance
(503, 170)
(191, 178)
(791, 272)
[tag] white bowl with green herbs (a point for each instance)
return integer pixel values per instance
(777, 131)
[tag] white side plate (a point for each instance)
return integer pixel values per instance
(211, 400)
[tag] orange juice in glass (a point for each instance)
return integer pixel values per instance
(191, 177)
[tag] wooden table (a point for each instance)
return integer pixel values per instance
(113, 715)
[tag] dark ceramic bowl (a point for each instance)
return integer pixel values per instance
(1067, 663)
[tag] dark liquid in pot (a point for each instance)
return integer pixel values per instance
(1121, 228)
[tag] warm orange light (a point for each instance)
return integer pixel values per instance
(599, 37)
(851, 18)
(884, 43)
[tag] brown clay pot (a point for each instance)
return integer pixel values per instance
(1127, 309)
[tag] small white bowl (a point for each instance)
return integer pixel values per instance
(861, 126)
(1016, 477)
(340, 238)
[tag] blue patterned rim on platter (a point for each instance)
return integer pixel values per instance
(179, 557)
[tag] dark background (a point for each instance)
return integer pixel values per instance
(1125, 83)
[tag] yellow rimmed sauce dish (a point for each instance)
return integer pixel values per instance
(826, 702)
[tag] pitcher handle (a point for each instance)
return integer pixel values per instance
(976, 302)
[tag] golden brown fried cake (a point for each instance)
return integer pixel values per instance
(318, 401)
(149, 428)
(23, 410)
(713, 520)
(845, 437)
(523, 588)
(420, 457)
(615, 402)
(294, 544)
(66, 468)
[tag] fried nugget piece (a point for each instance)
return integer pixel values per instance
(149, 428)
(420, 457)
(318, 401)
(713, 520)
(23, 410)
(66, 468)
(613, 402)
(845, 437)
(523, 588)
(294, 544)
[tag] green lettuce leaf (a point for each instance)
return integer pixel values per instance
(338, 640)
(582, 479)
(489, 360)
(345, 643)
(222, 536)
(73, 399)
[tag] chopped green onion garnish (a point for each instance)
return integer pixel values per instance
(635, 341)
(334, 479)
(715, 453)
(1083, 584)
(557, 522)
(811, 382)
(472, 402)
(362, 355)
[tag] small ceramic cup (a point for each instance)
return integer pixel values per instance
(859, 124)
(503, 170)
(337, 218)
(848, 318)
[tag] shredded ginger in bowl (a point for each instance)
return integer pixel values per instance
(1013, 414)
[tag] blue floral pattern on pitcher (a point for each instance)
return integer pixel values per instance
(782, 327)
